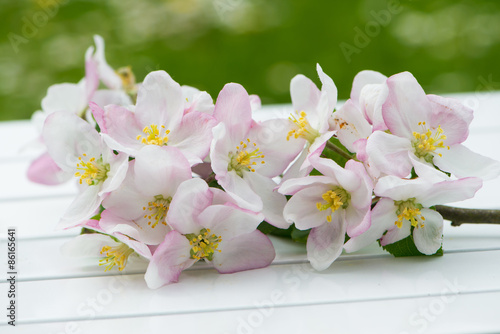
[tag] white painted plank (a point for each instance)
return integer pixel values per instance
(204, 290)
(443, 313)
(16, 186)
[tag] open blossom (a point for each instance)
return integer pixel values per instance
(329, 205)
(158, 119)
(312, 111)
(77, 149)
(207, 225)
(72, 98)
(405, 204)
(112, 250)
(246, 155)
(425, 128)
(139, 207)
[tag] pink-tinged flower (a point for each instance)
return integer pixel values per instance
(404, 205)
(246, 155)
(425, 128)
(207, 225)
(71, 98)
(111, 250)
(353, 121)
(76, 148)
(139, 207)
(310, 119)
(330, 205)
(158, 119)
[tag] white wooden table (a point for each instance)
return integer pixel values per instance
(366, 292)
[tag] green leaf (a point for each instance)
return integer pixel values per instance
(406, 247)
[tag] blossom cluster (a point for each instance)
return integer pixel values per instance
(167, 175)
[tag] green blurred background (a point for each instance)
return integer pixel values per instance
(450, 46)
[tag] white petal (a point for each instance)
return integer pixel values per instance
(389, 153)
(325, 243)
(301, 209)
(429, 238)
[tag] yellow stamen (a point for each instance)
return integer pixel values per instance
(426, 142)
(154, 136)
(115, 256)
(303, 128)
(410, 211)
(159, 208)
(203, 245)
(91, 171)
(334, 199)
(243, 159)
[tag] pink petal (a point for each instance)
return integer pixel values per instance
(91, 74)
(229, 221)
(325, 242)
(364, 78)
(159, 101)
(192, 197)
(301, 209)
(245, 252)
(270, 137)
(453, 117)
(429, 238)
(340, 176)
(406, 105)
(241, 191)
(328, 88)
(106, 73)
(234, 110)
(292, 186)
(44, 170)
(83, 207)
(350, 125)
(273, 202)
(168, 261)
(305, 95)
(401, 189)
(68, 137)
(357, 221)
(160, 170)
(396, 234)
(383, 217)
(389, 153)
(194, 135)
(450, 191)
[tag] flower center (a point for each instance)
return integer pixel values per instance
(303, 128)
(203, 245)
(156, 211)
(115, 256)
(334, 199)
(426, 142)
(246, 157)
(154, 136)
(409, 210)
(91, 171)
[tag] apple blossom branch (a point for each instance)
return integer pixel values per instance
(459, 216)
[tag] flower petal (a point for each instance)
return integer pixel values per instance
(383, 217)
(248, 251)
(160, 170)
(229, 221)
(301, 209)
(191, 198)
(396, 234)
(405, 106)
(44, 170)
(159, 101)
(82, 208)
(462, 162)
(389, 153)
(233, 109)
(350, 125)
(429, 238)
(273, 202)
(168, 261)
(325, 242)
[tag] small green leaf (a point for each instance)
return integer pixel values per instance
(340, 160)
(406, 247)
